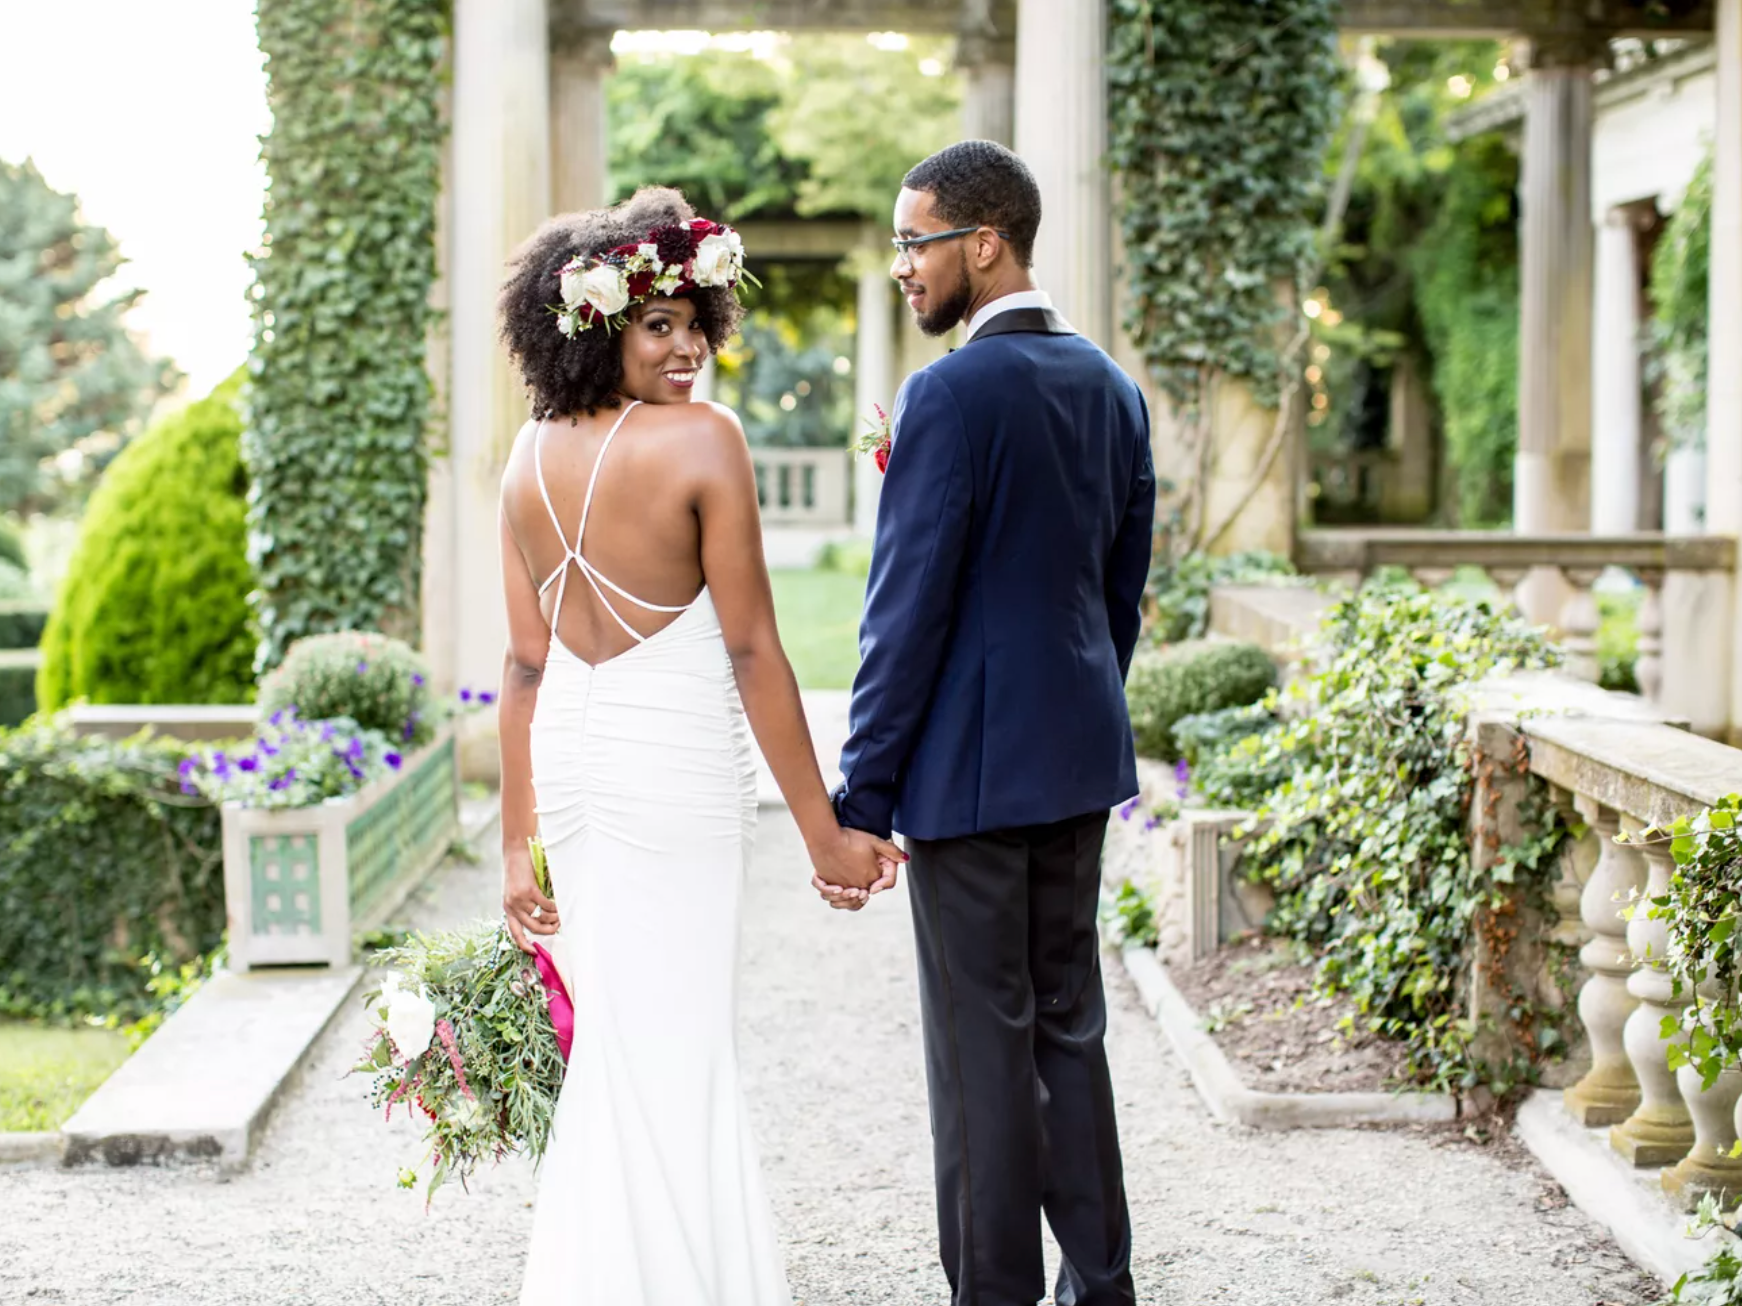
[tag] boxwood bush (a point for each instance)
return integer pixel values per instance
(154, 605)
(1190, 678)
(104, 863)
(376, 681)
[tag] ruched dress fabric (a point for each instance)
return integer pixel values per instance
(651, 1192)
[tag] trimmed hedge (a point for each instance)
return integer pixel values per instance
(154, 607)
(21, 625)
(377, 681)
(1191, 678)
(17, 685)
(103, 862)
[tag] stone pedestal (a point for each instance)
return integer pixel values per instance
(580, 61)
(1660, 1131)
(1061, 132)
(1609, 1091)
(1709, 1169)
(1551, 483)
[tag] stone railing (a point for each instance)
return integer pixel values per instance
(1683, 609)
(803, 487)
(1613, 763)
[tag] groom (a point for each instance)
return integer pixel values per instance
(989, 726)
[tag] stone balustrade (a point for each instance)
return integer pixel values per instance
(803, 487)
(1683, 608)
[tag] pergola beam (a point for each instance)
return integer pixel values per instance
(915, 16)
(1465, 18)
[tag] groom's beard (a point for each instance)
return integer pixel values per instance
(943, 319)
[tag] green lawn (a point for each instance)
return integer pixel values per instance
(45, 1073)
(818, 613)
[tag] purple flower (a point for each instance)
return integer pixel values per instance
(1182, 774)
(410, 730)
(393, 759)
(327, 731)
(362, 667)
(284, 781)
(249, 764)
(188, 788)
(356, 771)
(277, 718)
(486, 697)
(417, 679)
(268, 748)
(1151, 823)
(355, 749)
(465, 696)
(188, 767)
(1126, 811)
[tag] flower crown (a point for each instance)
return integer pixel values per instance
(597, 289)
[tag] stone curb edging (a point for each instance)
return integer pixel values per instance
(1629, 1203)
(1219, 1084)
(67, 1147)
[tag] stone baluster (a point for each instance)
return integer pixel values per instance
(1507, 580)
(1660, 1131)
(1578, 623)
(1648, 661)
(1609, 1091)
(1432, 578)
(1709, 1168)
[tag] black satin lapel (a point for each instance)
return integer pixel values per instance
(1030, 321)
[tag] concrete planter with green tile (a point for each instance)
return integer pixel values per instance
(299, 883)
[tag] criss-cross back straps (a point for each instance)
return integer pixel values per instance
(596, 578)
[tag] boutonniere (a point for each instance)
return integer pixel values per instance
(875, 441)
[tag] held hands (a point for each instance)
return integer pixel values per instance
(853, 867)
(527, 910)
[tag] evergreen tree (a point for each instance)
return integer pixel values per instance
(71, 377)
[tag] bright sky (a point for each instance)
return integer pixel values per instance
(150, 114)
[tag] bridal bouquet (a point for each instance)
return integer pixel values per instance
(474, 1035)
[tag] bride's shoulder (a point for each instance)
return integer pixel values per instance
(702, 422)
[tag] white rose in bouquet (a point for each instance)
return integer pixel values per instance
(606, 289)
(410, 1019)
(717, 259)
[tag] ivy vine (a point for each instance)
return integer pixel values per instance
(339, 400)
(1679, 279)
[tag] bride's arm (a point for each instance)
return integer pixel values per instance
(737, 577)
(522, 669)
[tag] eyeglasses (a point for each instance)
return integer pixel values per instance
(904, 246)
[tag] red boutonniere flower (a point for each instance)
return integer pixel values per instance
(875, 441)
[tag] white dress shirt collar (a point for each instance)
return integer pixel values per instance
(1003, 304)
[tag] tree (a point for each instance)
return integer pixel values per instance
(71, 376)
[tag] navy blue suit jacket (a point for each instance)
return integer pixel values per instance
(1007, 574)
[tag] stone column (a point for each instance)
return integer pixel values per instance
(500, 188)
(1724, 331)
(1551, 480)
(873, 377)
(580, 61)
(1061, 132)
(1617, 410)
(987, 60)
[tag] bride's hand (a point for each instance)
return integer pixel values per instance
(520, 898)
(851, 859)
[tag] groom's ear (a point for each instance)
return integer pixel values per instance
(987, 247)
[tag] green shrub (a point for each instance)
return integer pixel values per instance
(12, 546)
(1191, 678)
(1618, 641)
(104, 864)
(1179, 590)
(21, 624)
(17, 685)
(849, 557)
(15, 583)
(154, 606)
(374, 680)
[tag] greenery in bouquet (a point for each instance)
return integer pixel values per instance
(464, 1038)
(291, 762)
(378, 682)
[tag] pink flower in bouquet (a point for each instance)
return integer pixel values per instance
(562, 1008)
(877, 440)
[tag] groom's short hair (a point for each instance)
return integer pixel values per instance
(982, 184)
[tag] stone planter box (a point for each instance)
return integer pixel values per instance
(298, 883)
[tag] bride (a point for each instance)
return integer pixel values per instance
(641, 636)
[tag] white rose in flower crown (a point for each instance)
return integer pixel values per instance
(650, 252)
(571, 284)
(410, 1019)
(717, 259)
(606, 289)
(567, 323)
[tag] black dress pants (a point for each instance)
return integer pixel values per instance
(1021, 1100)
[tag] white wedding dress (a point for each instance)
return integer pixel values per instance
(651, 1193)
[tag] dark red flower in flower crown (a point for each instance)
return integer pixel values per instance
(674, 245)
(640, 284)
(701, 227)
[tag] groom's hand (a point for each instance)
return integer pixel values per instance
(853, 899)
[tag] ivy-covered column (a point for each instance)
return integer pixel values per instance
(338, 400)
(501, 192)
(1552, 477)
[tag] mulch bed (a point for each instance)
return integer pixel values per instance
(1257, 1002)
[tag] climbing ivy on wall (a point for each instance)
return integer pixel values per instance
(1679, 268)
(1220, 112)
(339, 399)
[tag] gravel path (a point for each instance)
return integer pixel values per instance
(831, 1049)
